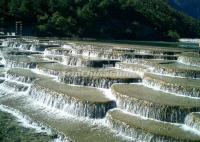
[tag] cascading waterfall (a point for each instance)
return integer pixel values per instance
(33, 47)
(73, 61)
(3, 61)
(135, 99)
(49, 72)
(83, 105)
(100, 82)
(21, 75)
(5, 43)
(67, 60)
(175, 69)
(124, 129)
(69, 104)
(19, 78)
(172, 88)
(189, 61)
(137, 134)
(90, 54)
(25, 120)
(135, 68)
(54, 52)
(149, 130)
(163, 113)
(17, 45)
(13, 64)
(193, 120)
(172, 73)
(9, 86)
(38, 127)
(24, 45)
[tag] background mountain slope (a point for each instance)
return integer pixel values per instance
(190, 7)
(107, 19)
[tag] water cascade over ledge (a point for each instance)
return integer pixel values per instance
(182, 86)
(91, 91)
(193, 120)
(79, 101)
(190, 58)
(85, 76)
(21, 75)
(145, 129)
(147, 102)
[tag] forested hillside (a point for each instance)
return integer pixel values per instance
(107, 19)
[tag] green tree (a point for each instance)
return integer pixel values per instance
(173, 35)
(111, 19)
(14, 8)
(26, 9)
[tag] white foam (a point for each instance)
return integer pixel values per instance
(67, 46)
(108, 94)
(14, 81)
(190, 129)
(37, 71)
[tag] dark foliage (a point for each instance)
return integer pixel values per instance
(103, 19)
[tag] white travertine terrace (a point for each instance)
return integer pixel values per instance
(147, 93)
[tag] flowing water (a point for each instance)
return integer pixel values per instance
(55, 92)
(14, 130)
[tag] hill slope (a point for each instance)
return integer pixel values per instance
(108, 19)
